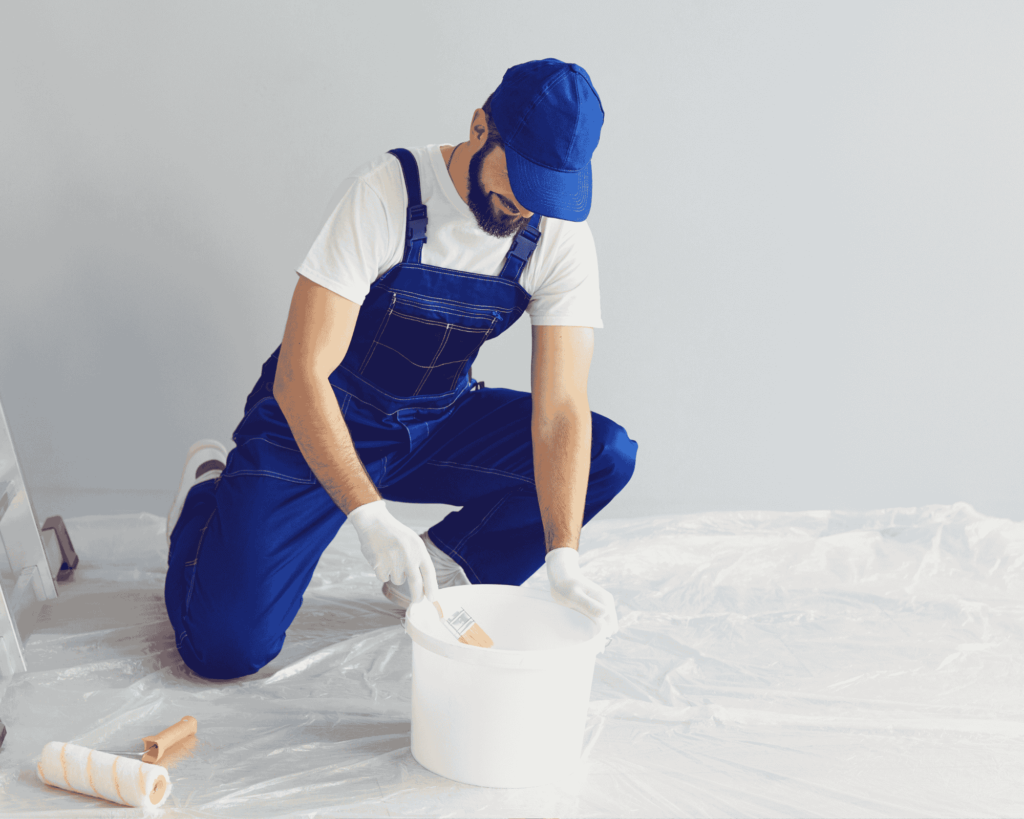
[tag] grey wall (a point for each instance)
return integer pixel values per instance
(808, 218)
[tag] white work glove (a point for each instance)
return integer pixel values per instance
(570, 588)
(395, 551)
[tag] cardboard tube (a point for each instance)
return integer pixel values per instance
(156, 746)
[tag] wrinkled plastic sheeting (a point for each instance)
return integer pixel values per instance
(767, 664)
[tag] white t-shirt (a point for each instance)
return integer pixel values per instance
(365, 237)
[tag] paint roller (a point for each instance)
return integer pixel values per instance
(127, 777)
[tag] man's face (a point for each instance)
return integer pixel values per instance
(490, 194)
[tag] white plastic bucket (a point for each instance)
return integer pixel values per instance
(510, 716)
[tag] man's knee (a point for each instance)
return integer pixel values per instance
(613, 453)
(224, 653)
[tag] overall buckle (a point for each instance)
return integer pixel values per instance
(416, 223)
(524, 243)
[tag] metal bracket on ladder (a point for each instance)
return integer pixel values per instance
(56, 539)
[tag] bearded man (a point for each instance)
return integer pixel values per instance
(370, 397)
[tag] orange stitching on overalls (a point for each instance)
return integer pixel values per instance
(383, 324)
(430, 369)
(202, 534)
(487, 335)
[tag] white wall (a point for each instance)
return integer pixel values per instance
(808, 217)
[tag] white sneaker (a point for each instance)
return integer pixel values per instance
(205, 461)
(449, 573)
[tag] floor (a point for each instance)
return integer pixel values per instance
(768, 664)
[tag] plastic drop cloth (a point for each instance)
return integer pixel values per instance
(768, 664)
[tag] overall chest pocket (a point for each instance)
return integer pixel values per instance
(421, 348)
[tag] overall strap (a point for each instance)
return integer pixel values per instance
(523, 246)
(416, 212)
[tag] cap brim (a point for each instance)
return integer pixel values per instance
(556, 194)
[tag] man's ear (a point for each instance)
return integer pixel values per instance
(479, 125)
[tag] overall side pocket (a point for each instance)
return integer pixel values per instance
(261, 456)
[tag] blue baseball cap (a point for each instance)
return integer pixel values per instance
(550, 119)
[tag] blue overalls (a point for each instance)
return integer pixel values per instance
(246, 544)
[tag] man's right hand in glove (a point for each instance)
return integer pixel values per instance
(395, 551)
(570, 588)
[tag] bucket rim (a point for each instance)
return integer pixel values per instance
(503, 657)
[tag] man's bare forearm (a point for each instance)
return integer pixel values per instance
(561, 467)
(311, 409)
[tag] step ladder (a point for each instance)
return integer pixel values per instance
(35, 556)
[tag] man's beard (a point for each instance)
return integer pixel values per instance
(488, 217)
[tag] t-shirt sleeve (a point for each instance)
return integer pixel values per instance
(567, 292)
(352, 246)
